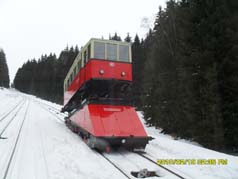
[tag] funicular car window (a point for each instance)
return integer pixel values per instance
(85, 55)
(68, 83)
(75, 71)
(99, 50)
(89, 51)
(79, 64)
(71, 77)
(124, 53)
(111, 52)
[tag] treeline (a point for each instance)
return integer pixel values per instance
(4, 74)
(191, 72)
(44, 77)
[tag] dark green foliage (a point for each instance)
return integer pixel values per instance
(115, 37)
(4, 75)
(128, 38)
(138, 60)
(191, 72)
(44, 78)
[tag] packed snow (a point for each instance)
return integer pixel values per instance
(48, 149)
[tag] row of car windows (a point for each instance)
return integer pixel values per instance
(109, 51)
(104, 51)
(74, 72)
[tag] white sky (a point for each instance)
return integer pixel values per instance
(30, 28)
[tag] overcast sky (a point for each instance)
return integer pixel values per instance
(30, 28)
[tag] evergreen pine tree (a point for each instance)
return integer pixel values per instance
(138, 69)
(115, 37)
(4, 75)
(128, 38)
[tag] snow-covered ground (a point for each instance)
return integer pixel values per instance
(48, 149)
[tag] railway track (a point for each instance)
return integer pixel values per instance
(10, 120)
(10, 111)
(129, 174)
(161, 166)
(116, 166)
(12, 153)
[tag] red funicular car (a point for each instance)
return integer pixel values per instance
(97, 96)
